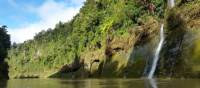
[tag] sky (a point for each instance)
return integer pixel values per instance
(25, 18)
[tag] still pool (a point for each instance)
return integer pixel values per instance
(101, 83)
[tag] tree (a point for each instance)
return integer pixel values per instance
(4, 42)
(14, 45)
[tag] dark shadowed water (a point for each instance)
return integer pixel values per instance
(100, 83)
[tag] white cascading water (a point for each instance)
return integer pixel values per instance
(171, 3)
(156, 55)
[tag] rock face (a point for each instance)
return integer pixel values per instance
(73, 67)
(126, 56)
(179, 56)
(182, 33)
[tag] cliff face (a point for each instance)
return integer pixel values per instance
(114, 38)
(179, 55)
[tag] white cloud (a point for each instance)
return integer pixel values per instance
(50, 13)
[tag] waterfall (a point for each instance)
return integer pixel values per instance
(156, 55)
(171, 3)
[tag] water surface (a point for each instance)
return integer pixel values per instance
(100, 83)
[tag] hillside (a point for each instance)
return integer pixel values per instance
(114, 38)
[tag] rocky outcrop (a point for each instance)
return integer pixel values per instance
(73, 67)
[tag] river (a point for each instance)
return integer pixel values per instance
(101, 83)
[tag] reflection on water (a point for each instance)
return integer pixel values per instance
(3, 83)
(150, 83)
(100, 83)
(153, 83)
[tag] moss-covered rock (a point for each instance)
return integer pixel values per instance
(178, 55)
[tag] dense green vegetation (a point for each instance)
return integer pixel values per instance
(88, 30)
(122, 34)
